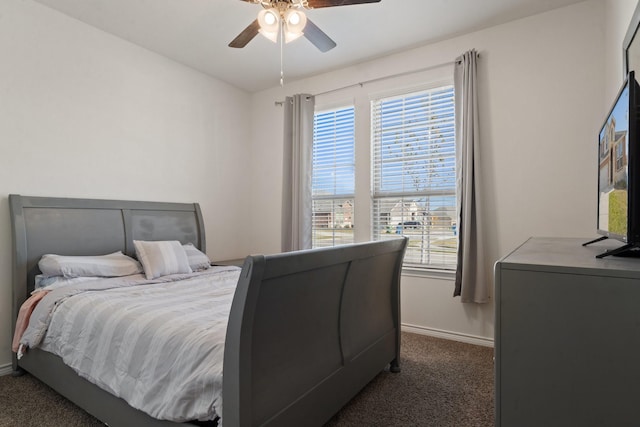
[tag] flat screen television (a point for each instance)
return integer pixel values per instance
(619, 172)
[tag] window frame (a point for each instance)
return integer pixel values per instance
(334, 197)
(360, 97)
(412, 269)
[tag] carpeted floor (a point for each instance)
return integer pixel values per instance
(442, 383)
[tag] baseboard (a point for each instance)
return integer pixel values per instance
(6, 369)
(448, 335)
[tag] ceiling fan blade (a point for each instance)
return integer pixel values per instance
(246, 35)
(316, 36)
(317, 4)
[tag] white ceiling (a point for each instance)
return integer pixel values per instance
(196, 32)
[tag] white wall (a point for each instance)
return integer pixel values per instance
(541, 95)
(618, 15)
(85, 114)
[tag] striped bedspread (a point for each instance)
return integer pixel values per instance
(158, 346)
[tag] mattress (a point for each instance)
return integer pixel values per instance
(158, 344)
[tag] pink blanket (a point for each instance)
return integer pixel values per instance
(23, 318)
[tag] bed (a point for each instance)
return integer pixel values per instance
(306, 332)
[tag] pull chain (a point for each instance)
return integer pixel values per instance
(281, 53)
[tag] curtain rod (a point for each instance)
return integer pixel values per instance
(361, 84)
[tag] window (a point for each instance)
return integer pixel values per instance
(620, 160)
(333, 181)
(414, 176)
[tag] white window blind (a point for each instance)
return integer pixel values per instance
(333, 181)
(414, 176)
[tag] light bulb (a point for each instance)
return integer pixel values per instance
(268, 20)
(295, 21)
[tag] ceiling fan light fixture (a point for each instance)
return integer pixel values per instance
(295, 20)
(271, 35)
(289, 36)
(269, 20)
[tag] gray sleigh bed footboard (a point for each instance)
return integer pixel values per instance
(308, 330)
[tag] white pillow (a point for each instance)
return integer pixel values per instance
(112, 265)
(197, 260)
(162, 258)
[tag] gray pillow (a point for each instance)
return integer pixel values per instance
(111, 265)
(162, 258)
(197, 260)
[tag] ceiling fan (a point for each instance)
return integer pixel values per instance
(286, 19)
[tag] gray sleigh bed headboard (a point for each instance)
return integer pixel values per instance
(66, 226)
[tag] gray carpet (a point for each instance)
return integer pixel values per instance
(442, 383)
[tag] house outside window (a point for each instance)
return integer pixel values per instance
(414, 176)
(620, 154)
(333, 177)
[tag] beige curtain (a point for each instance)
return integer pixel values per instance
(472, 281)
(296, 185)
